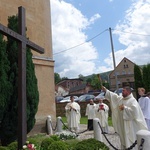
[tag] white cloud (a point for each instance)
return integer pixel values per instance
(135, 25)
(95, 17)
(68, 30)
(68, 25)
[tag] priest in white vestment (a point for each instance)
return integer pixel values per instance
(73, 115)
(90, 113)
(127, 116)
(144, 102)
(102, 114)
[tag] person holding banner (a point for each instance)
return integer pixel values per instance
(127, 116)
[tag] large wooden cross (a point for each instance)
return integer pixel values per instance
(23, 42)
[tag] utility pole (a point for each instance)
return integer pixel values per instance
(113, 55)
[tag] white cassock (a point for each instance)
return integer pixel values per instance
(144, 103)
(103, 116)
(90, 113)
(128, 121)
(73, 116)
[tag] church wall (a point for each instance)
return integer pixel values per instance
(38, 23)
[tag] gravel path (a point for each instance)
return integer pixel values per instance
(111, 136)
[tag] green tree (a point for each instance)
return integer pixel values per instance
(57, 78)
(138, 78)
(64, 78)
(32, 91)
(148, 83)
(9, 128)
(81, 76)
(96, 84)
(4, 82)
(146, 77)
(9, 123)
(106, 85)
(88, 80)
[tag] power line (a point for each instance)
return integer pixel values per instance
(96, 37)
(81, 43)
(131, 33)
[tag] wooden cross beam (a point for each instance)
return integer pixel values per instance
(23, 43)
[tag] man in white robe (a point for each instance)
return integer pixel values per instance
(73, 115)
(90, 113)
(127, 116)
(102, 113)
(144, 102)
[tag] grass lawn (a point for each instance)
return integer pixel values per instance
(83, 120)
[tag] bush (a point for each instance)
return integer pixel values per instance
(58, 145)
(46, 143)
(33, 141)
(13, 146)
(55, 137)
(71, 143)
(3, 148)
(37, 138)
(90, 144)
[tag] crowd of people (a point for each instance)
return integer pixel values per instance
(128, 114)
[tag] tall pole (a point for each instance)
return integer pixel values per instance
(22, 120)
(113, 55)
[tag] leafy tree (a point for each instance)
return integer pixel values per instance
(146, 77)
(57, 78)
(148, 83)
(4, 82)
(96, 84)
(9, 128)
(32, 91)
(138, 78)
(64, 78)
(88, 80)
(106, 85)
(81, 76)
(9, 123)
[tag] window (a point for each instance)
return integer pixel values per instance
(126, 66)
(123, 72)
(117, 73)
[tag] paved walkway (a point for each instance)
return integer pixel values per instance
(112, 136)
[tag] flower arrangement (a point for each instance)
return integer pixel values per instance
(29, 146)
(66, 135)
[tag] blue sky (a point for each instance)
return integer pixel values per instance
(75, 22)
